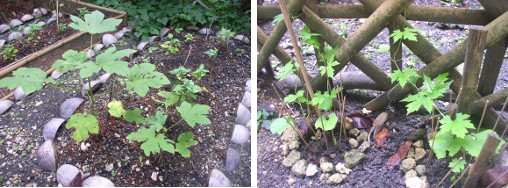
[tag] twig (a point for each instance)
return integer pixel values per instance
(497, 179)
(462, 175)
(202, 4)
(455, 104)
(450, 171)
(209, 28)
(500, 113)
(190, 50)
(434, 133)
(483, 115)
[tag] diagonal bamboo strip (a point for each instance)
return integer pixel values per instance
(494, 99)
(417, 13)
(274, 38)
(278, 52)
(361, 37)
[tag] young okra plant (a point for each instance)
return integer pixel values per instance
(9, 52)
(189, 37)
(225, 36)
(212, 53)
(171, 45)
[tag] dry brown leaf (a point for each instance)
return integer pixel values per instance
(401, 154)
(380, 138)
(494, 173)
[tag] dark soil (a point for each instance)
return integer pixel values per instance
(28, 44)
(371, 173)
(224, 90)
(14, 9)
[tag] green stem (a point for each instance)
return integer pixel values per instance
(90, 93)
(116, 89)
(175, 124)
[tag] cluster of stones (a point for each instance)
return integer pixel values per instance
(414, 172)
(37, 14)
(241, 135)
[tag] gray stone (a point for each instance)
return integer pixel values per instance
(326, 167)
(15, 22)
(240, 134)
(66, 173)
(154, 38)
(292, 81)
(419, 154)
(55, 74)
(341, 168)
(50, 129)
(27, 17)
(407, 164)
(291, 159)
(410, 174)
(246, 99)
(127, 29)
(242, 114)
(242, 38)
(417, 134)
(362, 137)
(415, 182)
(418, 144)
(90, 54)
(60, 15)
(97, 181)
(291, 139)
(364, 146)
(108, 39)
(353, 143)
(163, 32)
(335, 179)
(421, 169)
(4, 28)
(353, 158)
(348, 124)
(104, 78)
(354, 131)
(221, 33)
(193, 28)
(95, 85)
(14, 35)
(37, 13)
(142, 46)
(232, 159)
(40, 23)
(44, 11)
(19, 94)
(98, 47)
(47, 156)
(26, 30)
(2, 43)
(5, 105)
(110, 167)
(299, 168)
(311, 170)
(118, 35)
(50, 20)
(205, 31)
(67, 108)
(218, 179)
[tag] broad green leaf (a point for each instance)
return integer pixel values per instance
(143, 76)
(152, 143)
(29, 79)
(179, 72)
(72, 59)
(279, 125)
(83, 124)
(286, 70)
(408, 33)
(109, 61)
(116, 108)
(441, 144)
(473, 143)
(185, 140)
(299, 95)
(459, 167)
(88, 69)
(328, 123)
(324, 101)
(409, 75)
(416, 101)
(458, 127)
(171, 98)
(157, 121)
(194, 114)
(200, 72)
(94, 23)
(134, 115)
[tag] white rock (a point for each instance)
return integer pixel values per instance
(15, 22)
(47, 156)
(37, 13)
(19, 94)
(98, 47)
(95, 85)
(44, 11)
(218, 179)
(51, 128)
(97, 181)
(90, 54)
(415, 182)
(240, 134)
(2, 43)
(246, 99)
(242, 114)
(341, 168)
(110, 167)
(242, 38)
(154, 38)
(55, 74)
(67, 108)
(14, 35)
(66, 173)
(163, 32)
(108, 39)
(119, 34)
(232, 159)
(104, 78)
(83, 146)
(41, 24)
(154, 176)
(205, 31)
(60, 15)
(5, 105)
(311, 170)
(27, 17)
(4, 28)
(127, 29)
(51, 20)
(142, 46)
(26, 29)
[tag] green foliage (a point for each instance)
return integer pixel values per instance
(171, 45)
(458, 127)
(94, 23)
(225, 35)
(328, 123)
(179, 72)
(409, 75)
(109, 61)
(83, 125)
(172, 98)
(72, 60)
(157, 121)
(83, 11)
(116, 108)
(310, 39)
(152, 143)
(185, 140)
(178, 30)
(9, 52)
(143, 76)
(289, 68)
(408, 33)
(200, 72)
(383, 49)
(263, 118)
(330, 61)
(279, 125)
(186, 89)
(29, 79)
(189, 37)
(425, 97)
(62, 27)
(194, 114)
(277, 19)
(299, 95)
(134, 115)
(325, 100)
(212, 53)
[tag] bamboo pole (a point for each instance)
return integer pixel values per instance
(474, 55)
(417, 13)
(494, 99)
(482, 162)
(277, 33)
(278, 52)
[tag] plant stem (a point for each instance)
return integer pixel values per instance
(175, 124)
(462, 175)
(483, 115)
(90, 93)
(450, 171)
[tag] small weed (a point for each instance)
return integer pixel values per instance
(9, 52)
(212, 53)
(211, 134)
(189, 37)
(62, 27)
(178, 30)
(140, 158)
(83, 11)
(240, 50)
(151, 50)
